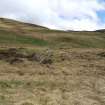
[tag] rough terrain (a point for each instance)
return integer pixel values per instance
(44, 67)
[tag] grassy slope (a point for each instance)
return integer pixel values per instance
(22, 33)
(76, 76)
(8, 37)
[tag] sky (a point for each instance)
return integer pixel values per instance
(57, 14)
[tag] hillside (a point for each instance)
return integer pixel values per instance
(14, 32)
(39, 66)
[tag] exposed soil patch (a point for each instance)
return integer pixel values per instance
(13, 55)
(102, 54)
(18, 55)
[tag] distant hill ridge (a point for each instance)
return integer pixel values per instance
(15, 33)
(6, 20)
(16, 22)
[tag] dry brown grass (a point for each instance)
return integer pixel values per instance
(76, 77)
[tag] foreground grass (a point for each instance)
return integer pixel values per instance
(76, 77)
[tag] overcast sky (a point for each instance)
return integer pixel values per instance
(57, 14)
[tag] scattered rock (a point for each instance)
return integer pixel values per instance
(14, 56)
(42, 58)
(34, 57)
(46, 61)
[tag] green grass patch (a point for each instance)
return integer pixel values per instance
(80, 40)
(13, 38)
